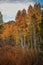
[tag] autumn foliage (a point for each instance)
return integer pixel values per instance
(19, 39)
(21, 26)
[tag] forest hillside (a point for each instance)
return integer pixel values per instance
(21, 41)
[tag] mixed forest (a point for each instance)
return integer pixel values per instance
(22, 39)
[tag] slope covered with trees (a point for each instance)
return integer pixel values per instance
(24, 30)
(21, 41)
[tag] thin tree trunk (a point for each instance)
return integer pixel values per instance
(22, 42)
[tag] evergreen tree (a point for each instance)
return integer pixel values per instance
(1, 18)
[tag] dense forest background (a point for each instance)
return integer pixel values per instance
(26, 31)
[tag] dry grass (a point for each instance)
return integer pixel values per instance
(17, 56)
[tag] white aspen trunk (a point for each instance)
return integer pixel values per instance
(22, 42)
(34, 37)
(31, 36)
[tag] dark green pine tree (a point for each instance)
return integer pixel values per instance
(1, 18)
(1, 21)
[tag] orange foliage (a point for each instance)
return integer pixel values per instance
(21, 24)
